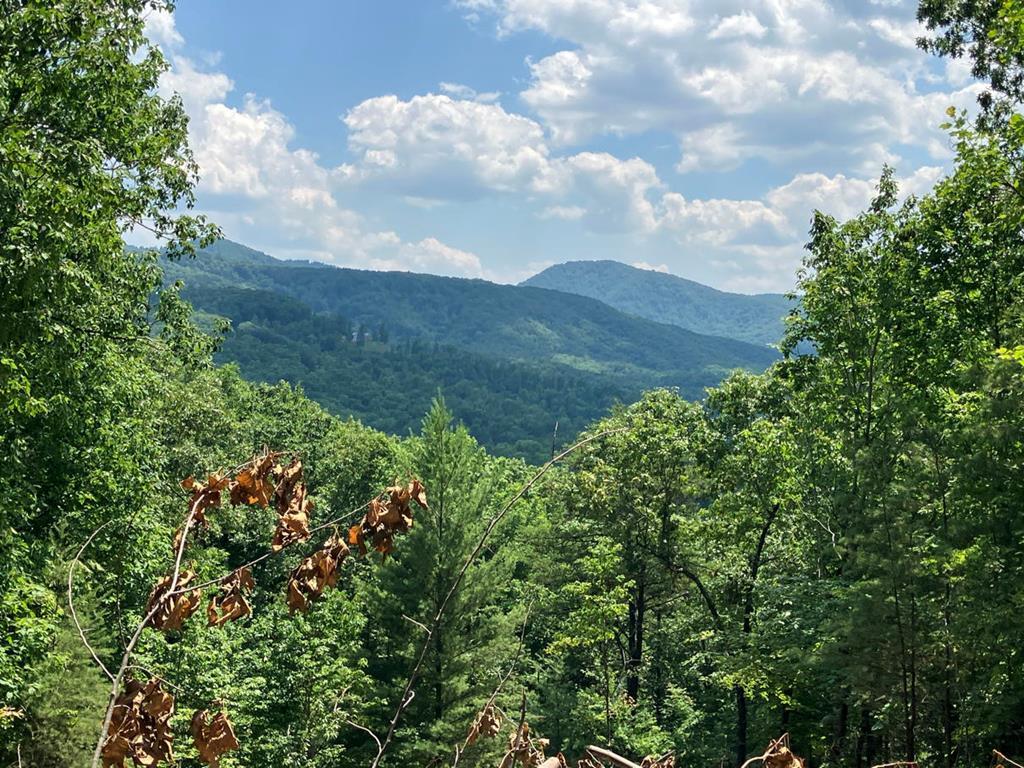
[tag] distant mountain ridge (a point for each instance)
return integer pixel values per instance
(504, 321)
(512, 361)
(666, 298)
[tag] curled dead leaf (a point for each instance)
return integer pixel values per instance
(287, 478)
(293, 524)
(252, 484)
(314, 574)
(524, 749)
(486, 723)
(213, 736)
(230, 603)
(388, 514)
(172, 610)
(140, 726)
(205, 495)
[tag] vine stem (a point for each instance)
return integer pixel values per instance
(470, 559)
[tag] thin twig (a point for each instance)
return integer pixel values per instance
(71, 600)
(270, 553)
(419, 624)
(470, 559)
(126, 658)
(522, 722)
(1003, 758)
(599, 753)
(366, 730)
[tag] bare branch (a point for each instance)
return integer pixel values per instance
(71, 600)
(367, 730)
(130, 647)
(599, 753)
(1004, 759)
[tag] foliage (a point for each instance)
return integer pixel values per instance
(832, 548)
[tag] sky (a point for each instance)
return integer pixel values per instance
(493, 138)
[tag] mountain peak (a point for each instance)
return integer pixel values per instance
(668, 298)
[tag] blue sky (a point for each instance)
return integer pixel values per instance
(491, 138)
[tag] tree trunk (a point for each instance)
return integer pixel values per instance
(637, 611)
(741, 725)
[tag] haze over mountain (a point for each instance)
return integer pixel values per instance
(512, 360)
(670, 299)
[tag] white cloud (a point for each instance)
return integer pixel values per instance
(275, 196)
(460, 91)
(840, 79)
(564, 212)
(743, 24)
(652, 267)
(458, 149)
(434, 140)
(161, 29)
(431, 255)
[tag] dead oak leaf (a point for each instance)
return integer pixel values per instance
(213, 736)
(169, 612)
(314, 574)
(229, 603)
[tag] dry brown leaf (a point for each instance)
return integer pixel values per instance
(213, 736)
(527, 751)
(779, 755)
(287, 478)
(172, 611)
(140, 726)
(314, 574)
(388, 514)
(205, 495)
(10, 713)
(293, 524)
(230, 603)
(252, 484)
(486, 723)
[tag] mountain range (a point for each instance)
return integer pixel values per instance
(512, 361)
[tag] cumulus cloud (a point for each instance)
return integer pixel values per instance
(273, 195)
(736, 80)
(460, 91)
(462, 150)
(431, 255)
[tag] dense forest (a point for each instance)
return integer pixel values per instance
(520, 366)
(832, 549)
(512, 408)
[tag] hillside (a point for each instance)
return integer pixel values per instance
(500, 321)
(510, 407)
(666, 298)
(511, 361)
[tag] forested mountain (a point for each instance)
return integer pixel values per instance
(512, 362)
(670, 299)
(531, 324)
(512, 407)
(197, 569)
